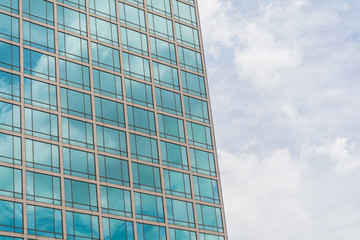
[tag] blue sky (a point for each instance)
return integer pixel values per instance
(284, 85)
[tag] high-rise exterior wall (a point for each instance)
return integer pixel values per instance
(105, 123)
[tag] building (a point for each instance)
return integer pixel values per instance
(105, 124)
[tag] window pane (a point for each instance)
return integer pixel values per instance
(41, 155)
(116, 201)
(141, 120)
(134, 41)
(77, 132)
(109, 112)
(82, 226)
(168, 101)
(209, 218)
(80, 195)
(74, 74)
(193, 84)
(103, 8)
(174, 155)
(132, 16)
(144, 148)
(76, 103)
(39, 37)
(71, 20)
(171, 128)
(150, 232)
(40, 94)
(104, 31)
(43, 188)
(177, 184)
(10, 6)
(10, 86)
(9, 57)
(196, 109)
(180, 212)
(113, 170)
(111, 141)
(39, 10)
(45, 222)
(9, 28)
(199, 135)
(9, 117)
(160, 26)
(204, 236)
(117, 229)
(163, 50)
(149, 207)
(136, 66)
(10, 182)
(73, 47)
(75, 3)
(165, 75)
(206, 190)
(138, 93)
(177, 234)
(79, 163)
(39, 65)
(41, 124)
(10, 149)
(11, 217)
(107, 84)
(160, 6)
(105, 57)
(146, 177)
(184, 12)
(190, 59)
(187, 36)
(202, 162)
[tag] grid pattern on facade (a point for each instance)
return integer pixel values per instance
(105, 122)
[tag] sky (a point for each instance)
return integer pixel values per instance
(284, 80)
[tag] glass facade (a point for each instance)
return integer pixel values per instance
(105, 122)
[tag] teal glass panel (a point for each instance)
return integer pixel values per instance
(39, 37)
(113, 170)
(111, 140)
(10, 182)
(73, 47)
(146, 177)
(9, 238)
(163, 50)
(46, 222)
(199, 135)
(77, 133)
(202, 162)
(187, 36)
(9, 57)
(134, 41)
(150, 232)
(180, 212)
(39, 65)
(80, 4)
(39, 10)
(160, 26)
(105, 57)
(41, 155)
(204, 236)
(81, 226)
(103, 8)
(104, 31)
(184, 12)
(139, 93)
(10, 86)
(165, 75)
(136, 2)
(109, 112)
(9, 117)
(171, 128)
(40, 94)
(11, 217)
(160, 6)
(9, 28)
(209, 218)
(117, 229)
(75, 103)
(136, 66)
(10, 6)
(149, 207)
(206, 189)
(107, 84)
(79, 163)
(177, 183)
(41, 124)
(144, 148)
(168, 101)
(80, 195)
(71, 20)
(10, 149)
(190, 59)
(43, 188)
(193, 84)
(196, 109)
(132, 16)
(115, 201)
(178, 234)
(141, 120)
(74, 74)
(174, 155)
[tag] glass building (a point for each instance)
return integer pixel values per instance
(105, 123)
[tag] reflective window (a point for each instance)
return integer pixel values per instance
(41, 155)
(113, 170)
(10, 182)
(136, 66)
(196, 109)
(79, 163)
(149, 207)
(107, 84)
(41, 124)
(150, 232)
(160, 6)
(209, 218)
(174, 155)
(10, 6)
(109, 112)
(74, 74)
(132, 16)
(104, 31)
(104, 8)
(11, 217)
(141, 120)
(77, 133)
(171, 128)
(105, 57)
(190, 59)
(193, 84)
(80, 195)
(111, 140)
(160, 26)
(168, 101)
(204, 236)
(202, 162)
(10, 86)
(9, 57)
(82, 226)
(177, 183)
(116, 201)
(199, 135)
(9, 238)
(75, 103)
(39, 37)
(43, 188)
(45, 222)
(146, 177)
(187, 36)
(10, 149)
(138, 93)
(73, 47)
(40, 94)
(144, 148)
(177, 234)
(9, 117)
(39, 10)
(39, 65)
(134, 41)
(180, 212)
(71, 20)
(163, 50)
(165, 75)
(9, 28)
(206, 189)
(117, 229)
(75, 3)
(137, 2)
(184, 12)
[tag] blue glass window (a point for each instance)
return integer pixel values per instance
(178, 234)
(193, 84)
(204, 236)
(45, 222)
(171, 128)
(107, 84)
(165, 75)
(9, 28)
(10, 86)
(149, 207)
(196, 109)
(174, 155)
(11, 217)
(80, 195)
(9, 57)
(71, 20)
(105, 57)
(160, 26)
(104, 8)
(180, 212)
(139, 93)
(109, 112)
(202, 162)
(10, 182)
(111, 141)
(80, 4)
(184, 12)
(115, 201)
(163, 50)
(136, 66)
(41, 124)
(177, 183)
(206, 189)
(74, 74)
(77, 132)
(39, 10)
(40, 94)
(43, 188)
(113, 170)
(9, 238)
(187, 36)
(104, 31)
(190, 59)
(150, 232)
(199, 135)
(76, 103)
(141, 120)
(117, 229)
(209, 218)
(146, 177)
(39, 65)
(79, 163)
(160, 6)
(39, 37)
(73, 47)
(10, 6)
(134, 41)
(136, 2)
(144, 148)
(10, 149)
(9, 117)
(41, 155)
(81, 226)
(168, 101)
(132, 16)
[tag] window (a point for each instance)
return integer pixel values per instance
(10, 182)
(187, 36)
(9, 238)
(193, 84)
(113, 170)
(41, 155)
(116, 201)
(180, 212)
(150, 232)
(105, 57)
(109, 112)
(138, 93)
(168, 101)
(82, 226)
(103, 8)
(132, 16)
(165, 75)
(202, 162)
(136, 2)
(10, 86)
(144, 148)
(134, 41)
(77, 133)
(149, 207)
(190, 59)
(43, 188)
(199, 135)
(177, 183)
(39, 10)
(73, 47)
(79, 163)
(39, 37)
(75, 3)
(160, 26)
(104, 31)
(184, 12)
(41, 124)
(10, 149)
(160, 6)
(136, 66)
(163, 50)
(111, 141)
(9, 57)
(10, 6)
(74, 74)
(40, 94)
(9, 117)
(39, 65)
(171, 128)
(117, 229)
(71, 20)
(80, 195)
(209, 218)
(177, 234)
(45, 222)
(196, 109)
(206, 190)
(107, 84)
(12, 217)
(141, 120)
(204, 236)
(146, 177)
(174, 155)
(75, 103)
(9, 28)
